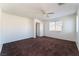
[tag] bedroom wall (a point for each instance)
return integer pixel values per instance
(77, 29)
(0, 47)
(0, 30)
(16, 28)
(68, 32)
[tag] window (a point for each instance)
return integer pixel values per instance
(55, 26)
(52, 26)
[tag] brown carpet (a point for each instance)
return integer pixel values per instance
(41, 46)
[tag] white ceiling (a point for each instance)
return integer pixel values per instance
(33, 10)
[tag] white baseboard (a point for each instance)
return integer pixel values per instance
(61, 38)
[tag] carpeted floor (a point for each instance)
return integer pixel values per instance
(41, 46)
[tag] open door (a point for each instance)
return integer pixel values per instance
(37, 29)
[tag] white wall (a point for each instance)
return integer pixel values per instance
(0, 30)
(77, 27)
(16, 28)
(68, 32)
(0, 26)
(1, 47)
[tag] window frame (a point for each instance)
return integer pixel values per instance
(55, 26)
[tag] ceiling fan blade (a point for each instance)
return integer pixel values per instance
(50, 13)
(43, 11)
(60, 3)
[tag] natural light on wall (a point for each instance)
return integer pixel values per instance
(77, 24)
(55, 26)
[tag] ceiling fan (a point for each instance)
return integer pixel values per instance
(60, 4)
(46, 14)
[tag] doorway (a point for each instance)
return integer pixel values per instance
(37, 29)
